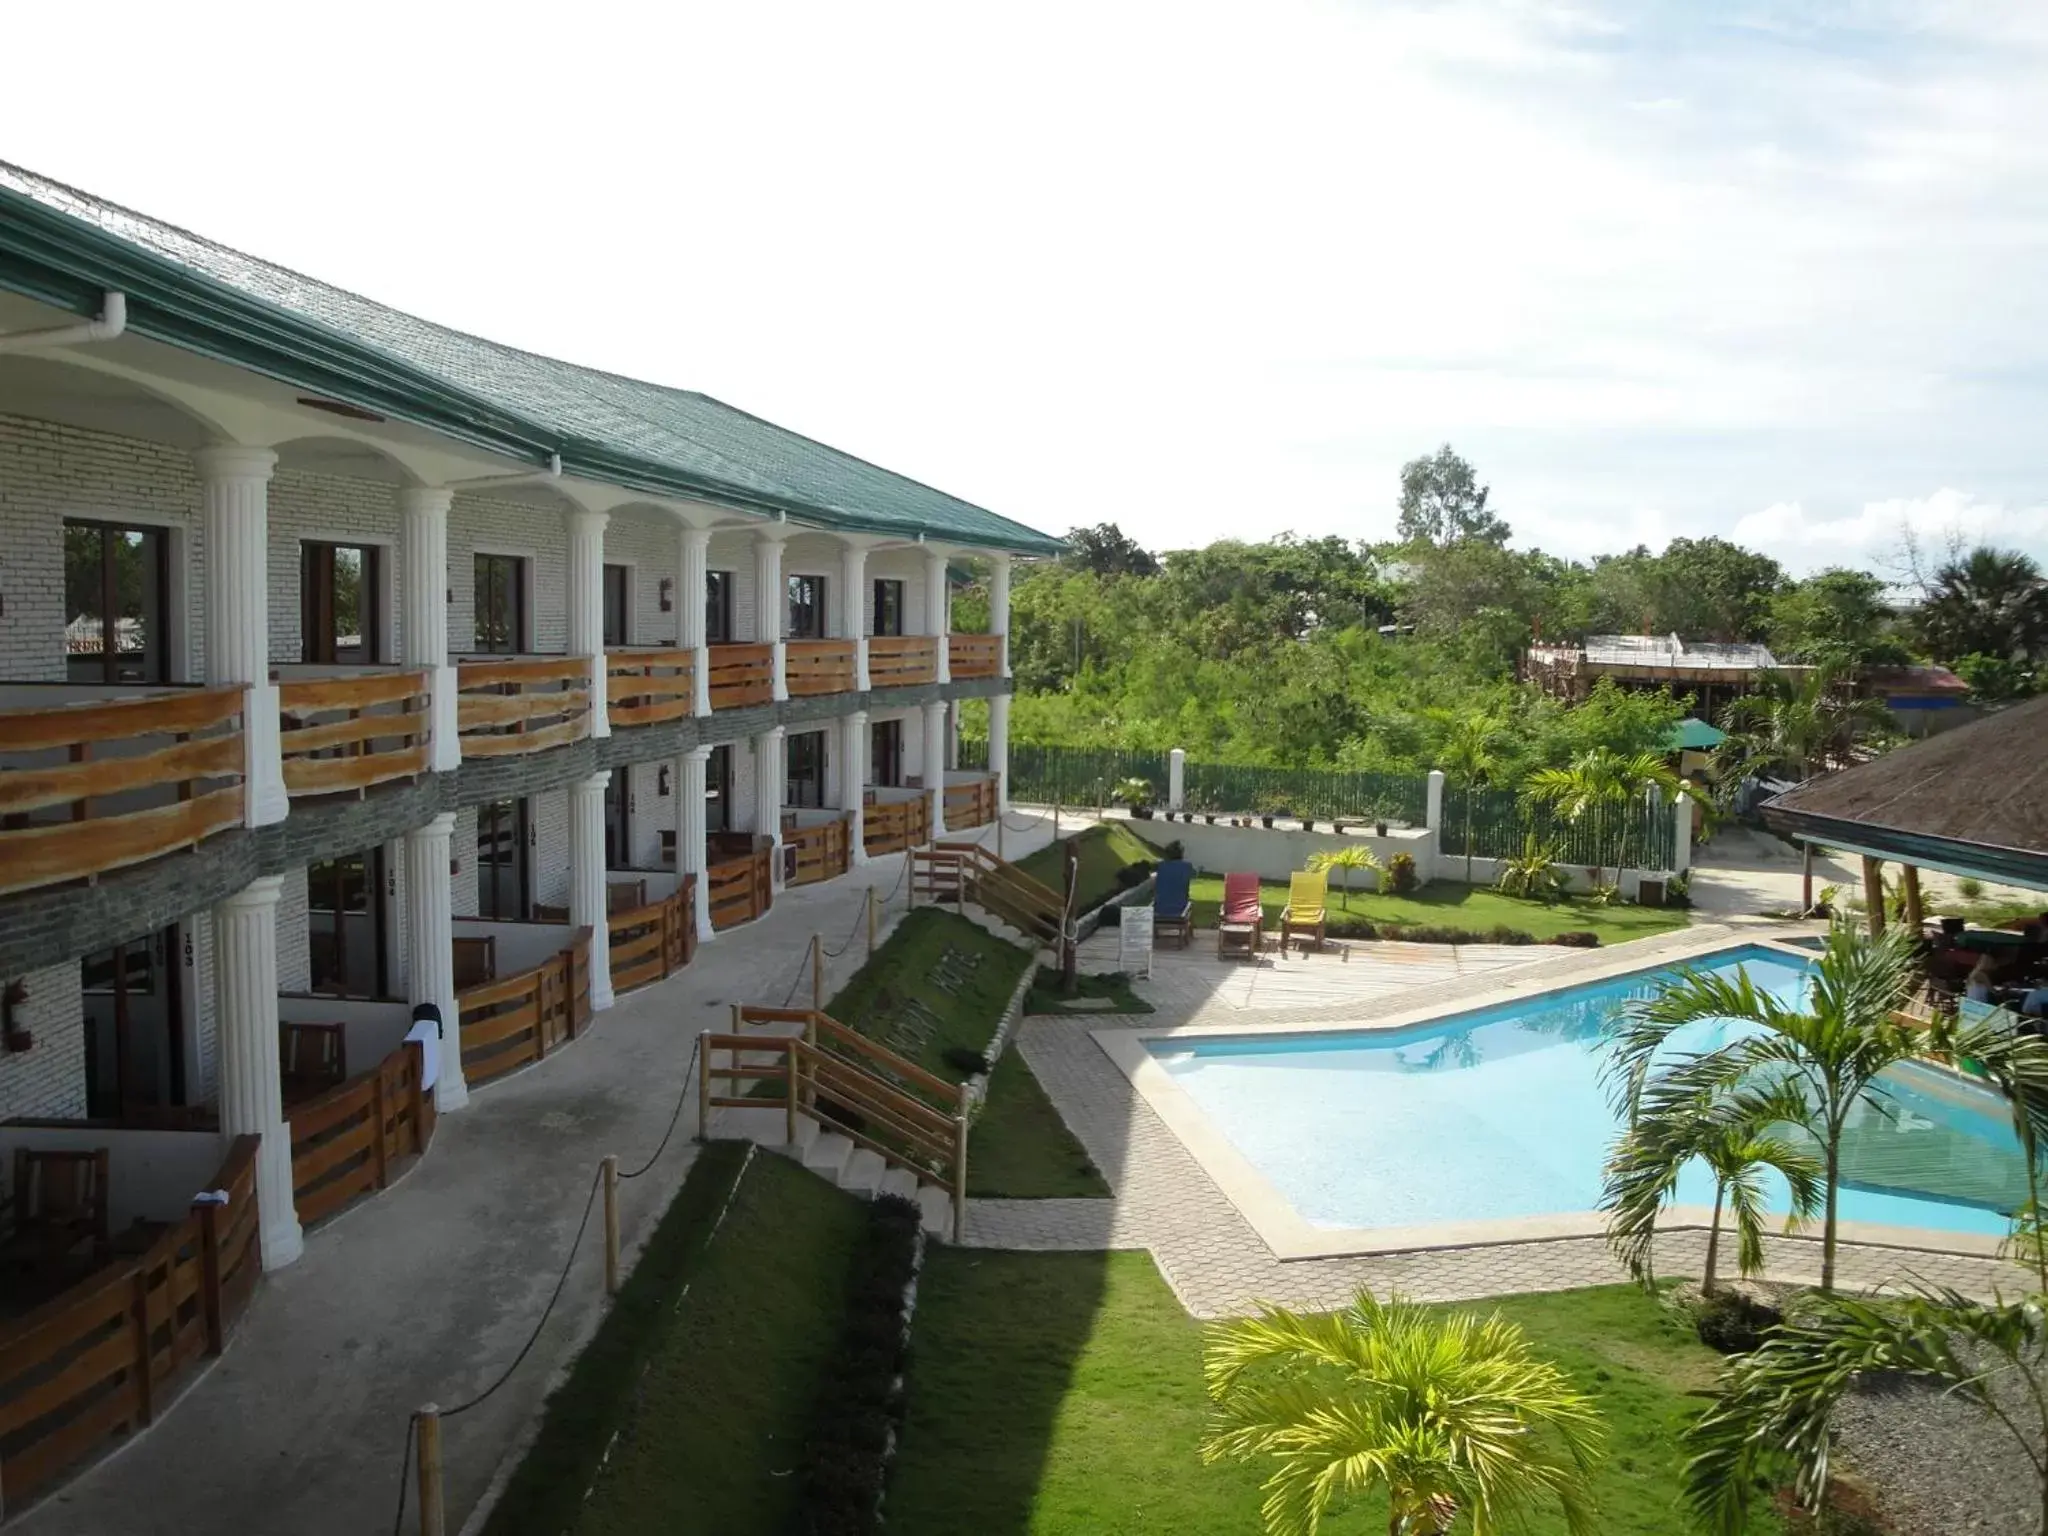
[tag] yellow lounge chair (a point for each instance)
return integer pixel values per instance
(1307, 911)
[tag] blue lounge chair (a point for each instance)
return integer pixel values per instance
(1172, 908)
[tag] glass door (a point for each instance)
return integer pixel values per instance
(885, 753)
(116, 601)
(339, 619)
(134, 1028)
(503, 877)
(345, 910)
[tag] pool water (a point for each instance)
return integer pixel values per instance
(1501, 1113)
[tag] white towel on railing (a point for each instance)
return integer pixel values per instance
(428, 1033)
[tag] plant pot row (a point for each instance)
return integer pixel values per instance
(1146, 813)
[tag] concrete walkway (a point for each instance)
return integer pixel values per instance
(426, 1292)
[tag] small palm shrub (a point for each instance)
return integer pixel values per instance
(1401, 873)
(1533, 873)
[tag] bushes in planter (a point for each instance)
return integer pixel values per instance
(1401, 873)
(859, 1408)
(1426, 933)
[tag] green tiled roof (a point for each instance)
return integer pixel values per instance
(63, 246)
(1691, 735)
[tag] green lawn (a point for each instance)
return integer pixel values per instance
(1456, 906)
(1104, 848)
(1046, 995)
(1019, 1147)
(710, 1433)
(1061, 1395)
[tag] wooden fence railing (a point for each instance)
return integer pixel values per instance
(949, 871)
(345, 1142)
(742, 675)
(895, 661)
(818, 666)
(654, 941)
(101, 1359)
(821, 852)
(741, 888)
(527, 705)
(890, 826)
(970, 805)
(347, 733)
(648, 687)
(519, 1019)
(974, 655)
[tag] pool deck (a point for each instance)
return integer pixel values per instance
(1166, 1201)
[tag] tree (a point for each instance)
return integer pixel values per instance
(1448, 1413)
(1994, 679)
(1443, 503)
(1836, 618)
(1733, 1135)
(1466, 754)
(1107, 550)
(1801, 725)
(1990, 602)
(1829, 1050)
(1344, 860)
(1710, 589)
(1595, 782)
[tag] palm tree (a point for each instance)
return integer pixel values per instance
(1448, 1413)
(1596, 780)
(1344, 860)
(1467, 755)
(1733, 1135)
(1990, 602)
(1802, 725)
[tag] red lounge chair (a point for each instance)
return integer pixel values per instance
(1240, 929)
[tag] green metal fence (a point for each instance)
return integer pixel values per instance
(1500, 820)
(1080, 775)
(1401, 798)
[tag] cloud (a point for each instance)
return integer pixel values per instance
(1878, 533)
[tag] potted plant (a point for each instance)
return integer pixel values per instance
(1136, 796)
(1268, 804)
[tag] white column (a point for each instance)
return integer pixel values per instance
(768, 773)
(853, 579)
(423, 610)
(1681, 848)
(935, 609)
(430, 943)
(245, 1024)
(1433, 802)
(586, 628)
(771, 604)
(692, 593)
(691, 858)
(853, 781)
(999, 610)
(999, 746)
(587, 882)
(934, 734)
(234, 485)
(1176, 768)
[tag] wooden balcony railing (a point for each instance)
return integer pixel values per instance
(654, 941)
(347, 733)
(819, 852)
(972, 804)
(813, 667)
(648, 687)
(896, 661)
(890, 826)
(101, 1360)
(742, 675)
(974, 655)
(345, 1142)
(741, 886)
(519, 1019)
(523, 705)
(86, 788)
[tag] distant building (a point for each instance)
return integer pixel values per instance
(1713, 672)
(1924, 699)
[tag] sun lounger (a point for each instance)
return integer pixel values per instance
(1241, 927)
(1307, 911)
(1172, 908)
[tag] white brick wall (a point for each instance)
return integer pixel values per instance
(462, 849)
(48, 1079)
(539, 534)
(650, 544)
(906, 566)
(294, 947)
(734, 553)
(650, 813)
(329, 510)
(196, 957)
(549, 827)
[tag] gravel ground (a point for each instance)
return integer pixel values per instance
(1938, 1466)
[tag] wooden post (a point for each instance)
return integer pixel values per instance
(145, 1375)
(1873, 893)
(817, 971)
(1909, 875)
(704, 1085)
(792, 1080)
(1806, 879)
(209, 1278)
(959, 1178)
(610, 1180)
(999, 831)
(432, 1520)
(874, 922)
(1073, 868)
(379, 1153)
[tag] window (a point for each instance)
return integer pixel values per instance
(345, 924)
(717, 607)
(804, 782)
(340, 620)
(618, 838)
(617, 581)
(116, 602)
(806, 607)
(134, 1028)
(718, 791)
(500, 604)
(888, 607)
(501, 861)
(885, 753)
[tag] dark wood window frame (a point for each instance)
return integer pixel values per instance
(618, 604)
(885, 754)
(888, 606)
(110, 602)
(806, 605)
(803, 779)
(375, 912)
(718, 790)
(497, 820)
(718, 608)
(316, 603)
(493, 617)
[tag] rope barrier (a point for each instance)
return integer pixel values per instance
(675, 1119)
(404, 1466)
(859, 917)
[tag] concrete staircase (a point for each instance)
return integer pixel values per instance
(837, 1160)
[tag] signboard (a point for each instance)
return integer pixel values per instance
(1134, 946)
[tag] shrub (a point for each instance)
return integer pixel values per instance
(1733, 1323)
(1970, 888)
(965, 1060)
(1578, 939)
(1678, 891)
(1532, 874)
(1401, 873)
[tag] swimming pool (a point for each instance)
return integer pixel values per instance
(1499, 1115)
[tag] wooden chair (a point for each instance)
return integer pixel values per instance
(1308, 897)
(311, 1058)
(1241, 928)
(476, 960)
(1172, 908)
(60, 1203)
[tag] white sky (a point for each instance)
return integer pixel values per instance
(1774, 270)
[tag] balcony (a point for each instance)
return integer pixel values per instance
(970, 799)
(647, 687)
(899, 661)
(813, 667)
(973, 656)
(815, 846)
(344, 729)
(895, 819)
(738, 877)
(94, 779)
(522, 704)
(523, 989)
(742, 675)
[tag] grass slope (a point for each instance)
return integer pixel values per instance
(709, 1401)
(1020, 1149)
(1104, 849)
(1061, 1395)
(1457, 906)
